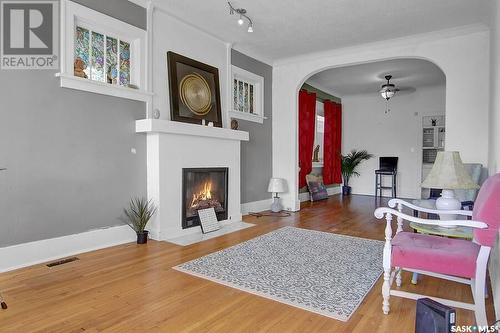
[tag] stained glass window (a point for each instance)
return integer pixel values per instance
(251, 98)
(124, 63)
(245, 107)
(103, 58)
(111, 60)
(248, 91)
(97, 56)
(235, 95)
(240, 95)
(82, 43)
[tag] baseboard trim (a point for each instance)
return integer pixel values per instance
(32, 253)
(304, 196)
(256, 206)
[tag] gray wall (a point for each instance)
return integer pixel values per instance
(68, 154)
(120, 9)
(256, 155)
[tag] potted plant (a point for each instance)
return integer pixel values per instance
(349, 164)
(137, 216)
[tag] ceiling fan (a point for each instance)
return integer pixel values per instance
(388, 90)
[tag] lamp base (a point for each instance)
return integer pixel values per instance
(447, 201)
(276, 206)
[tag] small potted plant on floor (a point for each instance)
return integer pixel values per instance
(349, 164)
(137, 216)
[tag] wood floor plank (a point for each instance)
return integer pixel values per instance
(133, 288)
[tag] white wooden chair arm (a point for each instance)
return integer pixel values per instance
(380, 212)
(394, 202)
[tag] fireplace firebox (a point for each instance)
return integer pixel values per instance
(203, 188)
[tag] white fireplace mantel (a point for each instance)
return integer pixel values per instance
(172, 146)
(175, 127)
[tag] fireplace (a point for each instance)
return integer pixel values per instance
(203, 188)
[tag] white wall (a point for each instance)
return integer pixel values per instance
(399, 133)
(494, 156)
(462, 54)
(172, 34)
(494, 138)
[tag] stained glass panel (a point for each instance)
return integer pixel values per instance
(240, 95)
(111, 60)
(97, 70)
(235, 94)
(82, 41)
(124, 63)
(251, 98)
(245, 108)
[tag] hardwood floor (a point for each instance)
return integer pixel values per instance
(132, 288)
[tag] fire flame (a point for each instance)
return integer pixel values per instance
(204, 194)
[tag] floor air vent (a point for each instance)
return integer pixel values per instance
(62, 261)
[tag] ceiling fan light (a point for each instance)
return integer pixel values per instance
(240, 21)
(388, 90)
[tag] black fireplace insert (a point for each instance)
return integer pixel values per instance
(203, 188)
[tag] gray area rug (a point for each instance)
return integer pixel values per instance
(317, 271)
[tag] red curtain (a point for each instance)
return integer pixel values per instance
(307, 122)
(332, 143)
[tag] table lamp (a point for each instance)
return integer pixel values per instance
(277, 185)
(448, 173)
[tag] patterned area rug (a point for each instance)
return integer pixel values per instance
(317, 271)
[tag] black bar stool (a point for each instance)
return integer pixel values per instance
(388, 166)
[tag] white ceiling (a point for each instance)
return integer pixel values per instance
(288, 28)
(407, 74)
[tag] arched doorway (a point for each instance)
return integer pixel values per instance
(457, 53)
(384, 128)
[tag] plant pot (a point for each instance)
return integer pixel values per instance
(142, 237)
(346, 190)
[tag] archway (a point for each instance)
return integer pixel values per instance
(458, 55)
(383, 128)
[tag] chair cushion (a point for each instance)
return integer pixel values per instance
(487, 210)
(435, 254)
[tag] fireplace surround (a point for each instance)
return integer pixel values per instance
(174, 146)
(203, 188)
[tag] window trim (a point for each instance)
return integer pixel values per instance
(258, 82)
(73, 14)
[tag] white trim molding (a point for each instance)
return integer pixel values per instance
(256, 206)
(78, 83)
(142, 3)
(32, 253)
(73, 15)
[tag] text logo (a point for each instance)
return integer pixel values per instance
(29, 34)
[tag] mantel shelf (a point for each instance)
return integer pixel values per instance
(175, 127)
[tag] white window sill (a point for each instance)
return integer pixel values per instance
(78, 83)
(317, 164)
(247, 116)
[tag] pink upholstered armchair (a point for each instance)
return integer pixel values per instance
(451, 259)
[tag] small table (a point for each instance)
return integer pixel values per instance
(452, 232)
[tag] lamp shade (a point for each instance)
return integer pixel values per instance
(277, 185)
(449, 173)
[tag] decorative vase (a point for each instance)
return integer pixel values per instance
(346, 190)
(142, 237)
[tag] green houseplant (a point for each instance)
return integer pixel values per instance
(349, 164)
(137, 216)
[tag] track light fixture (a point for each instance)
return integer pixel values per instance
(242, 13)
